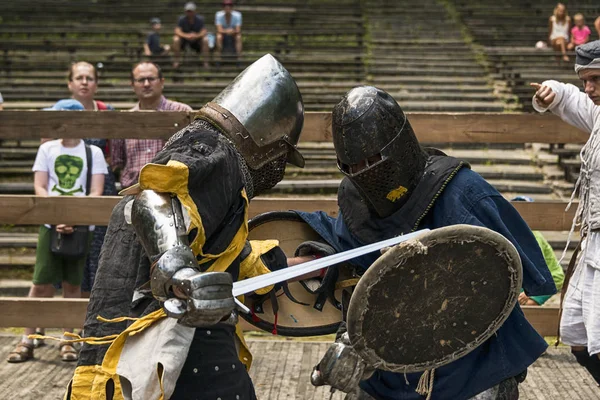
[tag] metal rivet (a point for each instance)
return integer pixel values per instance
(208, 332)
(237, 396)
(485, 282)
(216, 367)
(465, 322)
(175, 124)
(218, 398)
(232, 366)
(195, 370)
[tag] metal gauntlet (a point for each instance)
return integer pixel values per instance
(341, 367)
(198, 299)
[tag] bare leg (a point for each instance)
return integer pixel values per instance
(563, 48)
(238, 44)
(71, 292)
(556, 47)
(176, 51)
(205, 50)
(219, 46)
(45, 290)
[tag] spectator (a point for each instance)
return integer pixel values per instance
(152, 46)
(558, 275)
(83, 84)
(558, 30)
(580, 33)
(229, 28)
(130, 155)
(1, 102)
(597, 26)
(60, 169)
(190, 32)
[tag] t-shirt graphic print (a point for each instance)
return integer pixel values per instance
(68, 169)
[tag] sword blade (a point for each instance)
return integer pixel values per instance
(259, 282)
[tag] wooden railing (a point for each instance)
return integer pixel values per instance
(430, 128)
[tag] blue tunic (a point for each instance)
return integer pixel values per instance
(467, 199)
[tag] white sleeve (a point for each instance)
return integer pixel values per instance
(571, 105)
(98, 161)
(41, 159)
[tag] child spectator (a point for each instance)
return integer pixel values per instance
(580, 33)
(558, 30)
(61, 169)
(229, 28)
(152, 46)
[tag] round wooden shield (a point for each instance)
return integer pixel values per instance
(431, 300)
(315, 316)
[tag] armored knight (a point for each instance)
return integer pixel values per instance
(175, 243)
(393, 186)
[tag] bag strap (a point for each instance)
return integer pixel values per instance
(88, 156)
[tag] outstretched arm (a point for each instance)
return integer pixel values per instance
(567, 102)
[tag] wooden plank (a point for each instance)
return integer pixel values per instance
(42, 312)
(547, 215)
(429, 127)
(66, 124)
(58, 313)
(544, 319)
(554, 376)
(34, 210)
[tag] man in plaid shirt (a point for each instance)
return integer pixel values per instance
(130, 155)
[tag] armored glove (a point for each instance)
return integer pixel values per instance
(195, 298)
(341, 367)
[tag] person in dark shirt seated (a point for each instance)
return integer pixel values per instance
(152, 46)
(190, 31)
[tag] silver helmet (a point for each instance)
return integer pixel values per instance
(261, 112)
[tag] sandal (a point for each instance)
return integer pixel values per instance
(21, 353)
(68, 352)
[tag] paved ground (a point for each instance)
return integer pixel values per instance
(281, 370)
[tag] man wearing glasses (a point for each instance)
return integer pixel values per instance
(129, 155)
